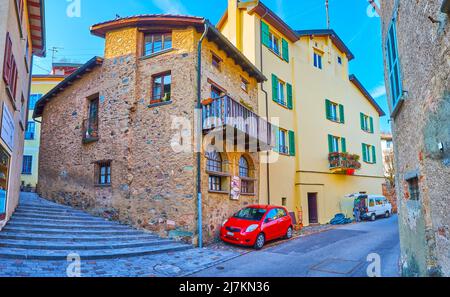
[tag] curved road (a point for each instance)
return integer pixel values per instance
(340, 252)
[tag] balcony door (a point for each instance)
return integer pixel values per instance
(93, 113)
(312, 208)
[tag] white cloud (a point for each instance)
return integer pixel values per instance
(170, 6)
(378, 91)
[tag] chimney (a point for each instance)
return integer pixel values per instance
(235, 23)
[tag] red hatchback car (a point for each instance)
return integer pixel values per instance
(257, 224)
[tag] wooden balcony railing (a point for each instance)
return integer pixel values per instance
(226, 112)
(344, 163)
(90, 131)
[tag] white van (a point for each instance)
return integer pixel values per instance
(373, 206)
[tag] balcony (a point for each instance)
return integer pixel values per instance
(344, 163)
(227, 116)
(90, 131)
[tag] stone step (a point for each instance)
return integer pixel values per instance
(20, 212)
(79, 238)
(31, 254)
(22, 220)
(51, 211)
(57, 217)
(66, 226)
(74, 232)
(44, 206)
(70, 246)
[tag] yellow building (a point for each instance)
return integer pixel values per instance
(328, 139)
(40, 85)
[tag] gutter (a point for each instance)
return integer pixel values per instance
(199, 138)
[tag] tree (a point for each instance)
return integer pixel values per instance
(389, 168)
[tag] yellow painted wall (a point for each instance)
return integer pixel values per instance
(31, 148)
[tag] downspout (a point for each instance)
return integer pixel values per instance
(199, 138)
(267, 113)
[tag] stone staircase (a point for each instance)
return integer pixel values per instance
(41, 230)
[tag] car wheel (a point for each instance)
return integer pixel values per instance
(387, 214)
(288, 233)
(260, 240)
(373, 217)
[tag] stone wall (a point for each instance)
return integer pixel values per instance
(422, 123)
(153, 186)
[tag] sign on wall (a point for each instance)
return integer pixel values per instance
(235, 192)
(7, 133)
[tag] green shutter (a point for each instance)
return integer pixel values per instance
(289, 96)
(362, 121)
(285, 48)
(344, 145)
(265, 34)
(277, 140)
(292, 143)
(328, 108)
(341, 113)
(371, 125)
(330, 143)
(374, 155)
(364, 152)
(274, 88)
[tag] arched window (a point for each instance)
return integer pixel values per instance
(247, 184)
(243, 167)
(214, 164)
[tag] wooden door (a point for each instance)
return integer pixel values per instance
(312, 208)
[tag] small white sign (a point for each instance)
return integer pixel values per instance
(7, 133)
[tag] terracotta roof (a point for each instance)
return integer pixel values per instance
(334, 37)
(366, 94)
(36, 17)
(40, 104)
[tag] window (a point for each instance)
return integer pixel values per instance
(10, 72)
(244, 84)
(282, 141)
(339, 60)
(247, 186)
(157, 42)
(317, 60)
(216, 61)
(29, 133)
(413, 186)
(334, 111)
(277, 45)
(282, 92)
(366, 123)
(281, 213)
(216, 92)
(274, 43)
(104, 173)
(284, 201)
(27, 164)
(394, 65)
(337, 144)
(161, 88)
(369, 153)
(285, 142)
(272, 215)
(250, 213)
(389, 144)
(214, 165)
(33, 99)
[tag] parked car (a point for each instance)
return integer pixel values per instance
(373, 206)
(257, 224)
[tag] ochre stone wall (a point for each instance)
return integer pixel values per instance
(153, 186)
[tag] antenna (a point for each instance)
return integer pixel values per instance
(328, 14)
(54, 50)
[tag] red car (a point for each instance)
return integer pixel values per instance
(257, 224)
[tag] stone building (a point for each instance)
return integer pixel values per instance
(21, 36)
(118, 136)
(417, 58)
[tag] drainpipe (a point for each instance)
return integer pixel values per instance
(267, 114)
(199, 138)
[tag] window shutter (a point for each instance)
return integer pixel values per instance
(374, 155)
(289, 96)
(274, 88)
(328, 107)
(371, 124)
(362, 121)
(364, 153)
(330, 143)
(292, 143)
(344, 145)
(265, 34)
(7, 59)
(285, 47)
(341, 113)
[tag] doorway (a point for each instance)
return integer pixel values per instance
(312, 208)
(4, 177)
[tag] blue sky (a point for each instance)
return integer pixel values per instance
(349, 18)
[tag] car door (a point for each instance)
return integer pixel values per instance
(270, 225)
(379, 206)
(283, 221)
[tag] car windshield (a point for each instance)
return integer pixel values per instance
(251, 214)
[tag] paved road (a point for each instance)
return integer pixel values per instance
(339, 252)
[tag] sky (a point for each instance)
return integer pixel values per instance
(68, 23)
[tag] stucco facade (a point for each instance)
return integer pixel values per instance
(302, 176)
(17, 45)
(419, 99)
(153, 184)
